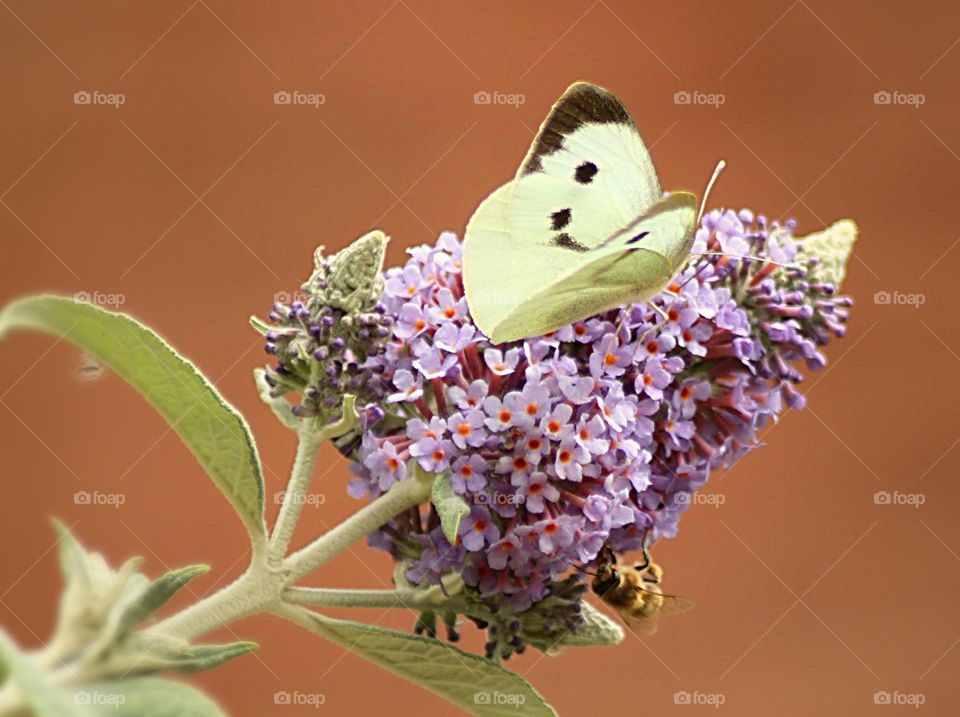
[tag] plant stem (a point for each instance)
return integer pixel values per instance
(295, 495)
(401, 496)
(408, 598)
(254, 591)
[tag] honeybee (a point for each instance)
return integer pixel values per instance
(634, 591)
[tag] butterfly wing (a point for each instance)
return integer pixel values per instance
(586, 176)
(633, 265)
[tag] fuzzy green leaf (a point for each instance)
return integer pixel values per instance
(475, 684)
(212, 429)
(158, 593)
(42, 698)
(450, 506)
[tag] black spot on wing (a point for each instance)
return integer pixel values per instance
(637, 238)
(566, 241)
(585, 173)
(560, 219)
(581, 104)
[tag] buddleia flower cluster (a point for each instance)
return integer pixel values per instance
(325, 340)
(597, 434)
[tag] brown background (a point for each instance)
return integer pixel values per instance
(199, 198)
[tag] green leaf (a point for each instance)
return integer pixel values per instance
(596, 630)
(40, 696)
(212, 429)
(834, 247)
(450, 506)
(479, 686)
(148, 697)
(157, 594)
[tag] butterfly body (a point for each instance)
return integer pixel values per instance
(582, 228)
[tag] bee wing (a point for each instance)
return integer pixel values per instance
(639, 624)
(673, 605)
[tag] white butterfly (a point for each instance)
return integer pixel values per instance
(583, 227)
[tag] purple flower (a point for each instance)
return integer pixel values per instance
(585, 438)
(478, 530)
(467, 429)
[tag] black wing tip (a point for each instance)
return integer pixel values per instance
(582, 103)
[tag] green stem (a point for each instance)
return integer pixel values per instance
(407, 598)
(295, 495)
(401, 496)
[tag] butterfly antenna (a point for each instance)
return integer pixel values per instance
(703, 203)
